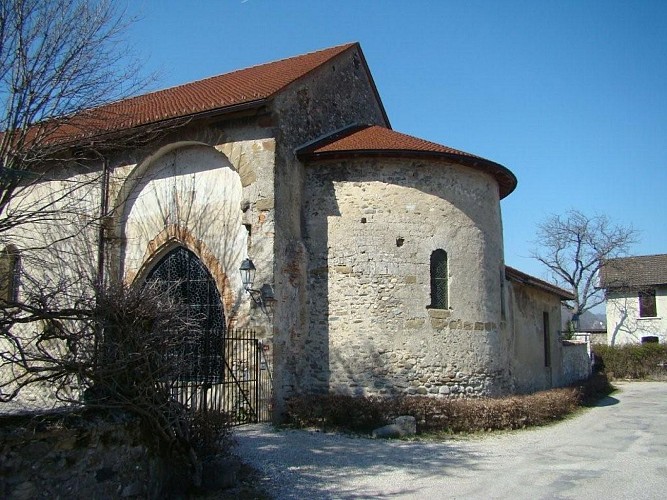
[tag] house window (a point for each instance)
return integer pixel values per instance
(10, 272)
(647, 307)
(439, 280)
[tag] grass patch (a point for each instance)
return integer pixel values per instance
(440, 415)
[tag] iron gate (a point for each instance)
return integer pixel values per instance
(218, 370)
(242, 390)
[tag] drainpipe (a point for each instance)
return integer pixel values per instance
(104, 208)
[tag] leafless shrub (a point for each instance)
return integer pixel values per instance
(63, 70)
(359, 414)
(124, 349)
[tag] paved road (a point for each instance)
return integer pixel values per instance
(616, 450)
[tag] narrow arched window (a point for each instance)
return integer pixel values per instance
(10, 272)
(439, 279)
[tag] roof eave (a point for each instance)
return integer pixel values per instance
(166, 122)
(506, 179)
(629, 287)
(521, 277)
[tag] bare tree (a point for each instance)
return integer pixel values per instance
(63, 68)
(59, 59)
(63, 73)
(574, 246)
(148, 348)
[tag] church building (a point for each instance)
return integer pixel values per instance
(368, 262)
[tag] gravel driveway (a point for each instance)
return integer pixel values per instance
(615, 450)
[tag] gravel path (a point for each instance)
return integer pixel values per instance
(616, 450)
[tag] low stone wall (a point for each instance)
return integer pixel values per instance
(576, 362)
(76, 456)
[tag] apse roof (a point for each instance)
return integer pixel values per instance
(374, 140)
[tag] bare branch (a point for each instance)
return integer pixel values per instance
(574, 246)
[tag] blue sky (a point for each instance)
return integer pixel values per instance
(570, 95)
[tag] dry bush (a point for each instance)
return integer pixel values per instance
(209, 433)
(124, 349)
(359, 414)
(337, 411)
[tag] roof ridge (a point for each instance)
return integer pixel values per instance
(637, 256)
(342, 48)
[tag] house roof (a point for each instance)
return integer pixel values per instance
(248, 87)
(518, 276)
(634, 272)
(374, 140)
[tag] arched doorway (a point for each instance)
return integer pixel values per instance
(188, 280)
(220, 370)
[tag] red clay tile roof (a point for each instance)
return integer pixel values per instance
(516, 275)
(634, 272)
(242, 87)
(373, 140)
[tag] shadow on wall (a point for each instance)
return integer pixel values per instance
(318, 369)
(363, 361)
(628, 327)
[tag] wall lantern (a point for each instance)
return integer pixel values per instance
(264, 296)
(247, 274)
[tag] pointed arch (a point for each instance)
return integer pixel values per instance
(174, 236)
(185, 278)
(179, 170)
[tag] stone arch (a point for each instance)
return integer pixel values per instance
(172, 237)
(194, 198)
(140, 171)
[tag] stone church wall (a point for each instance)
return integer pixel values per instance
(533, 366)
(371, 226)
(332, 97)
(206, 189)
(57, 245)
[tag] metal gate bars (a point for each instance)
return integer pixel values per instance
(242, 390)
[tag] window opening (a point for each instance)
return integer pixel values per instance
(10, 273)
(248, 228)
(647, 305)
(439, 298)
(187, 279)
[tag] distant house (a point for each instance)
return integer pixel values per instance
(636, 298)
